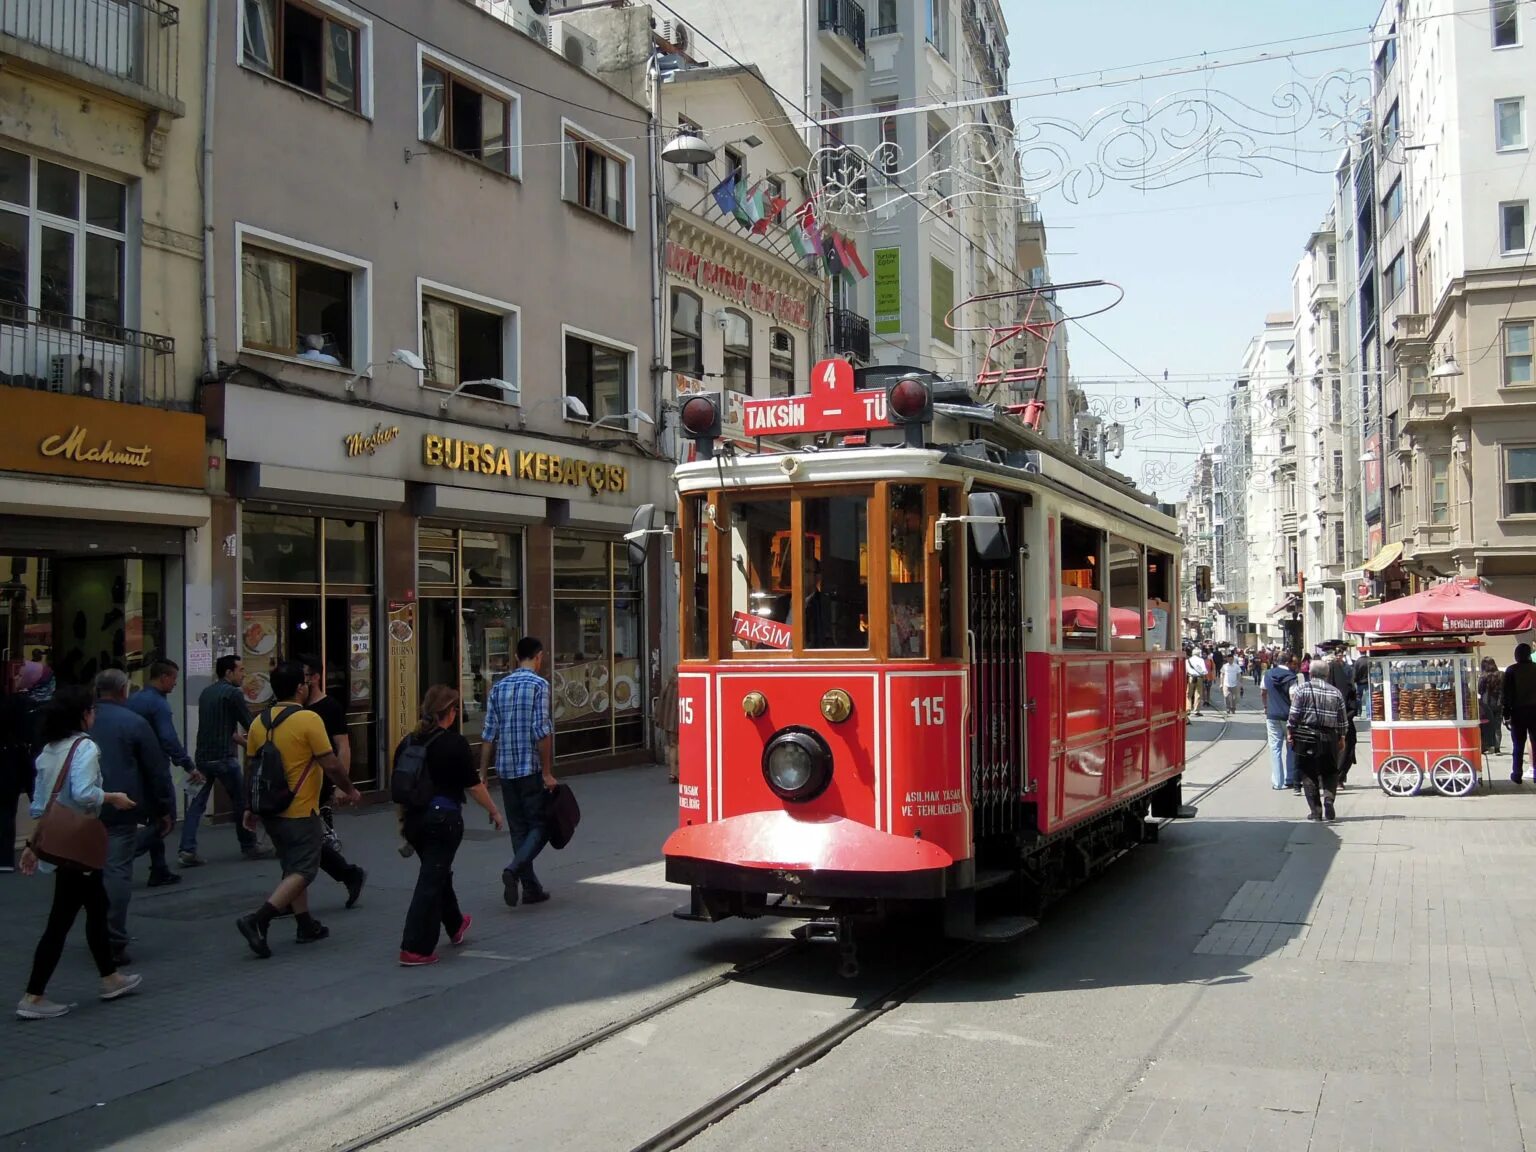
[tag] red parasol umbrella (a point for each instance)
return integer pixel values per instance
(1082, 614)
(1452, 609)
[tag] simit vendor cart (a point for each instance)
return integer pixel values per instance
(1423, 684)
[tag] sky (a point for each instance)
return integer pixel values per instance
(1202, 262)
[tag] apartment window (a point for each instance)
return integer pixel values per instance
(738, 351)
(781, 363)
(687, 355)
(687, 127)
(1331, 256)
(1390, 127)
(63, 240)
(469, 342)
(1338, 541)
(1506, 23)
(1338, 470)
(938, 26)
(1385, 59)
(463, 111)
(1395, 504)
(1394, 278)
(1517, 353)
(1513, 238)
(890, 151)
(1392, 204)
(1439, 489)
(939, 157)
(1520, 481)
(941, 298)
(598, 374)
(1509, 123)
(299, 301)
(1418, 380)
(307, 47)
(597, 177)
(885, 18)
(735, 164)
(1336, 402)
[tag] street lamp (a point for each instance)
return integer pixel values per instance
(503, 385)
(621, 419)
(398, 356)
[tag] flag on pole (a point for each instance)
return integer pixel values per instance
(829, 254)
(743, 209)
(850, 254)
(725, 194)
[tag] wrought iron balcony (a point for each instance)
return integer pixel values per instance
(50, 352)
(128, 47)
(848, 332)
(846, 19)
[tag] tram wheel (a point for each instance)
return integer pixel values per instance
(1453, 776)
(1400, 776)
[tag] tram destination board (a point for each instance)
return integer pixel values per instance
(832, 405)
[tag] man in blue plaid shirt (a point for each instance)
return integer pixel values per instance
(1315, 729)
(519, 742)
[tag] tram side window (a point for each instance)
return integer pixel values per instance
(761, 575)
(1127, 613)
(697, 591)
(1082, 586)
(835, 573)
(951, 556)
(908, 556)
(1159, 606)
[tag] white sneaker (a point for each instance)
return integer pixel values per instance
(44, 1009)
(129, 983)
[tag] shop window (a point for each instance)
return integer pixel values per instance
(738, 351)
(781, 363)
(469, 348)
(1127, 612)
(348, 551)
(834, 589)
(470, 590)
(465, 112)
(303, 46)
(278, 549)
(598, 375)
(687, 334)
(76, 224)
(597, 680)
(908, 557)
(1160, 596)
(293, 306)
(596, 177)
(1082, 589)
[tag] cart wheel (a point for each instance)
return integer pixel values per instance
(1400, 776)
(1453, 776)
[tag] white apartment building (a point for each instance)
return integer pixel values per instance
(1271, 547)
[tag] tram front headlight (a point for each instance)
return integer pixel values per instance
(797, 764)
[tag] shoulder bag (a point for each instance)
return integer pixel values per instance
(66, 837)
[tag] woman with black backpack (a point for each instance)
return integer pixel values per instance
(435, 826)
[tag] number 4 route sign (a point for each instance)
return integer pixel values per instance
(833, 405)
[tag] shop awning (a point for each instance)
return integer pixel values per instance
(1388, 554)
(1288, 605)
(1447, 610)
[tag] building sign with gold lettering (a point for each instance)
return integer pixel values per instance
(367, 443)
(542, 467)
(87, 438)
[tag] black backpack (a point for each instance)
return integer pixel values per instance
(267, 790)
(410, 784)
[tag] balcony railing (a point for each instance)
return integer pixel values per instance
(50, 352)
(846, 19)
(129, 46)
(848, 332)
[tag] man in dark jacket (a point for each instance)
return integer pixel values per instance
(153, 703)
(1342, 677)
(1520, 706)
(132, 761)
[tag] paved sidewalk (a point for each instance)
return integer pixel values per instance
(207, 1001)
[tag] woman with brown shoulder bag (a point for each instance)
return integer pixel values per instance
(69, 782)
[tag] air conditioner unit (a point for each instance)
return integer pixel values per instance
(98, 372)
(527, 16)
(675, 33)
(578, 47)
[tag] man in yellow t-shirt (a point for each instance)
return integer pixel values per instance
(298, 834)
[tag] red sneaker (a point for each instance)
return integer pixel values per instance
(416, 959)
(458, 937)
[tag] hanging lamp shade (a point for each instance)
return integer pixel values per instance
(687, 148)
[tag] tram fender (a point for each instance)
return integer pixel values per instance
(823, 856)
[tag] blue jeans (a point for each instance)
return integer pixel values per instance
(227, 773)
(123, 848)
(1282, 758)
(524, 799)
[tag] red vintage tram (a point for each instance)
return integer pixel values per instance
(919, 663)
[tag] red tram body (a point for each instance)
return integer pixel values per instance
(919, 671)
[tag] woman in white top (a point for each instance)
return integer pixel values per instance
(65, 721)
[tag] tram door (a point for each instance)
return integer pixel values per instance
(995, 574)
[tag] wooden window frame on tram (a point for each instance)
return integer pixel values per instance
(878, 492)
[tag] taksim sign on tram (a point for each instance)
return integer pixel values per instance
(833, 405)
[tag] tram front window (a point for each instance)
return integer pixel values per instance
(835, 584)
(761, 575)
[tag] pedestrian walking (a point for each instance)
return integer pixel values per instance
(133, 763)
(1231, 684)
(436, 830)
(222, 721)
(69, 774)
(1315, 729)
(666, 724)
(152, 702)
(1212, 661)
(297, 832)
(1519, 696)
(31, 688)
(1275, 696)
(334, 717)
(1490, 704)
(1342, 677)
(1194, 681)
(517, 741)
